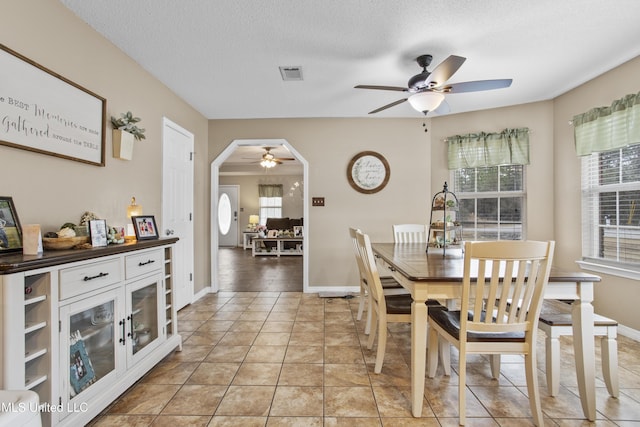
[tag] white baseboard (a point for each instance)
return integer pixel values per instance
(628, 332)
(204, 291)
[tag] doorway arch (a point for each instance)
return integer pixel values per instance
(215, 182)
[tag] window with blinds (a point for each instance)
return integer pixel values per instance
(270, 207)
(491, 202)
(610, 206)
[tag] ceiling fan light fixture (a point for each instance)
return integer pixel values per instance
(426, 101)
(268, 163)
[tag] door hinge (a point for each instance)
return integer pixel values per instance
(191, 156)
(190, 216)
(191, 277)
(60, 327)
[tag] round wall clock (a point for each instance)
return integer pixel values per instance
(368, 172)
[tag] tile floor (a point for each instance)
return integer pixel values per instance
(293, 359)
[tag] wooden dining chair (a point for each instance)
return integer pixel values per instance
(511, 324)
(383, 309)
(410, 233)
(390, 286)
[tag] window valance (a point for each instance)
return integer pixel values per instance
(608, 128)
(270, 190)
(474, 150)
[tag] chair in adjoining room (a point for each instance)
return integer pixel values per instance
(410, 233)
(495, 319)
(389, 285)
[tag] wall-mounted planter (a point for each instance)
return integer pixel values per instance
(122, 144)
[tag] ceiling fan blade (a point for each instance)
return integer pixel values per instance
(393, 104)
(396, 88)
(445, 70)
(475, 86)
(282, 159)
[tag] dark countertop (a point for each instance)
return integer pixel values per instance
(17, 262)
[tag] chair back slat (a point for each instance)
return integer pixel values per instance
(410, 233)
(507, 280)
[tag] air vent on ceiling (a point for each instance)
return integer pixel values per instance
(291, 73)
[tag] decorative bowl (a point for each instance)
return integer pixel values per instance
(60, 243)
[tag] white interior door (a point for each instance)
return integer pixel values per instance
(228, 215)
(177, 205)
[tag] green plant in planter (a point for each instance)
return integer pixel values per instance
(127, 123)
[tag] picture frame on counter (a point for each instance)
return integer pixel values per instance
(145, 227)
(98, 232)
(10, 229)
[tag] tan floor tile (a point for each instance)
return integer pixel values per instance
(346, 375)
(238, 338)
(144, 399)
(190, 353)
(170, 372)
(272, 338)
(294, 422)
(396, 402)
(297, 401)
(304, 354)
(247, 400)
(353, 422)
(341, 339)
(266, 353)
(214, 373)
(123, 420)
(203, 338)
(235, 421)
(335, 354)
(195, 400)
(257, 374)
(301, 374)
(228, 353)
(304, 327)
(349, 402)
(181, 420)
(246, 326)
(275, 326)
(307, 338)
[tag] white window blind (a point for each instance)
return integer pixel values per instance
(611, 207)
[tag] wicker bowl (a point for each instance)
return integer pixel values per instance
(60, 243)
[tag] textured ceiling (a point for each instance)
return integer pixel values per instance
(222, 56)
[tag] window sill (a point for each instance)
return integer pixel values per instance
(627, 272)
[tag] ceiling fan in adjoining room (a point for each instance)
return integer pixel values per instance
(269, 160)
(427, 89)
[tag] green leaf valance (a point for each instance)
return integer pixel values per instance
(474, 150)
(270, 190)
(608, 128)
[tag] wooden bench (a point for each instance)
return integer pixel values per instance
(555, 321)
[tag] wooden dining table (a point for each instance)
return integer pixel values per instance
(438, 276)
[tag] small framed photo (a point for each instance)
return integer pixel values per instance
(10, 231)
(145, 227)
(297, 231)
(98, 232)
(272, 234)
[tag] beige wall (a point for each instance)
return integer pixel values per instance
(51, 191)
(292, 201)
(615, 297)
(328, 145)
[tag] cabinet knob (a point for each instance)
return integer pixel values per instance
(168, 232)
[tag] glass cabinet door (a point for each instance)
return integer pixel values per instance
(144, 316)
(91, 332)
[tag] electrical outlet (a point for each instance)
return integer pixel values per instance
(317, 201)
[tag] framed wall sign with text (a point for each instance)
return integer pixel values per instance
(368, 172)
(43, 112)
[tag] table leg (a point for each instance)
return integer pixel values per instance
(584, 349)
(418, 354)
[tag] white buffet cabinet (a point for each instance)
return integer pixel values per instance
(80, 327)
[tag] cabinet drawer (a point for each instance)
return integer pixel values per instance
(142, 263)
(89, 277)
